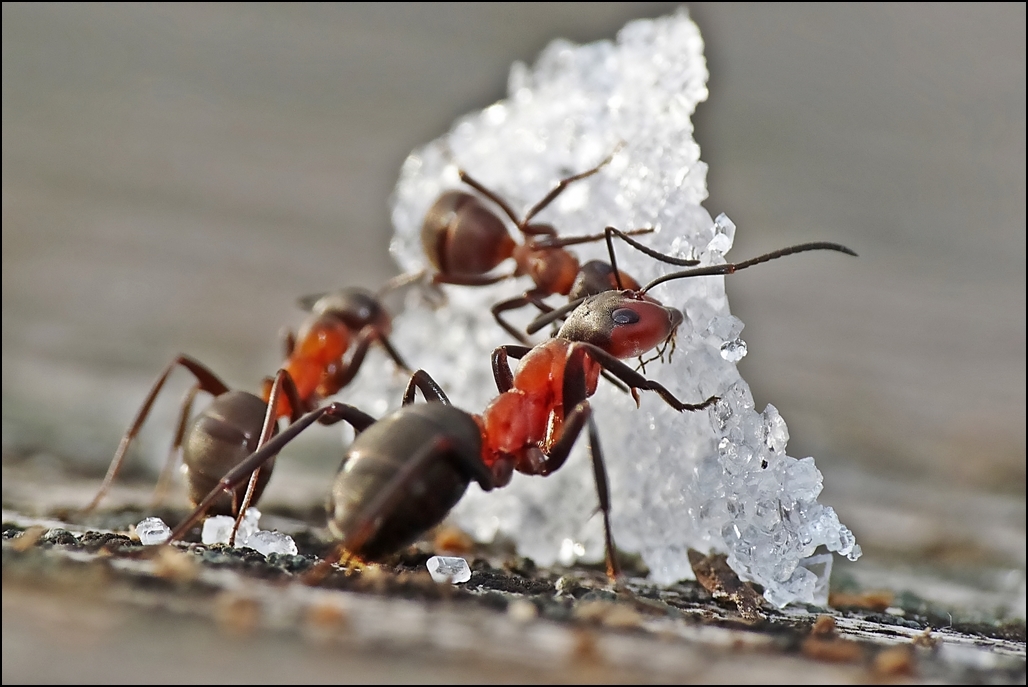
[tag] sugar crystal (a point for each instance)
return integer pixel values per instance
(218, 528)
(724, 235)
(733, 351)
(152, 531)
(448, 569)
(267, 543)
(716, 480)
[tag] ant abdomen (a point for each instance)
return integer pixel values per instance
(461, 236)
(219, 439)
(380, 453)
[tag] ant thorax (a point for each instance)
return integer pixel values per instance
(526, 418)
(552, 269)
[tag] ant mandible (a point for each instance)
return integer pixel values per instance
(464, 240)
(236, 423)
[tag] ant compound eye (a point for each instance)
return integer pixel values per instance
(623, 316)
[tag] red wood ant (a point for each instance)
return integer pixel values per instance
(464, 240)
(404, 473)
(237, 423)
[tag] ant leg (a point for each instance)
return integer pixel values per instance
(634, 380)
(491, 195)
(573, 395)
(207, 381)
(564, 241)
(536, 299)
(533, 297)
(185, 411)
(561, 186)
(288, 341)
(501, 368)
(429, 389)
(470, 279)
(399, 281)
(328, 414)
(574, 381)
(348, 370)
(611, 231)
(511, 304)
(554, 315)
(603, 493)
(558, 453)
(283, 381)
(615, 382)
(383, 340)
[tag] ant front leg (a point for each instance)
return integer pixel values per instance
(387, 345)
(283, 382)
(429, 389)
(634, 380)
(501, 368)
(528, 298)
(553, 315)
(206, 381)
(558, 455)
(559, 189)
(185, 411)
(348, 369)
(574, 394)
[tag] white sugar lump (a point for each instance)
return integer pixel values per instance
(711, 480)
(267, 543)
(218, 528)
(152, 531)
(448, 569)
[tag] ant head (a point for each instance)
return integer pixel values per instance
(622, 323)
(597, 276)
(355, 307)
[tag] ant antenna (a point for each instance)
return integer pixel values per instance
(625, 236)
(730, 268)
(552, 316)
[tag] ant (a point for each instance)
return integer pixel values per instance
(340, 320)
(404, 473)
(236, 423)
(464, 240)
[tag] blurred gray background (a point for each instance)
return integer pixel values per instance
(174, 177)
